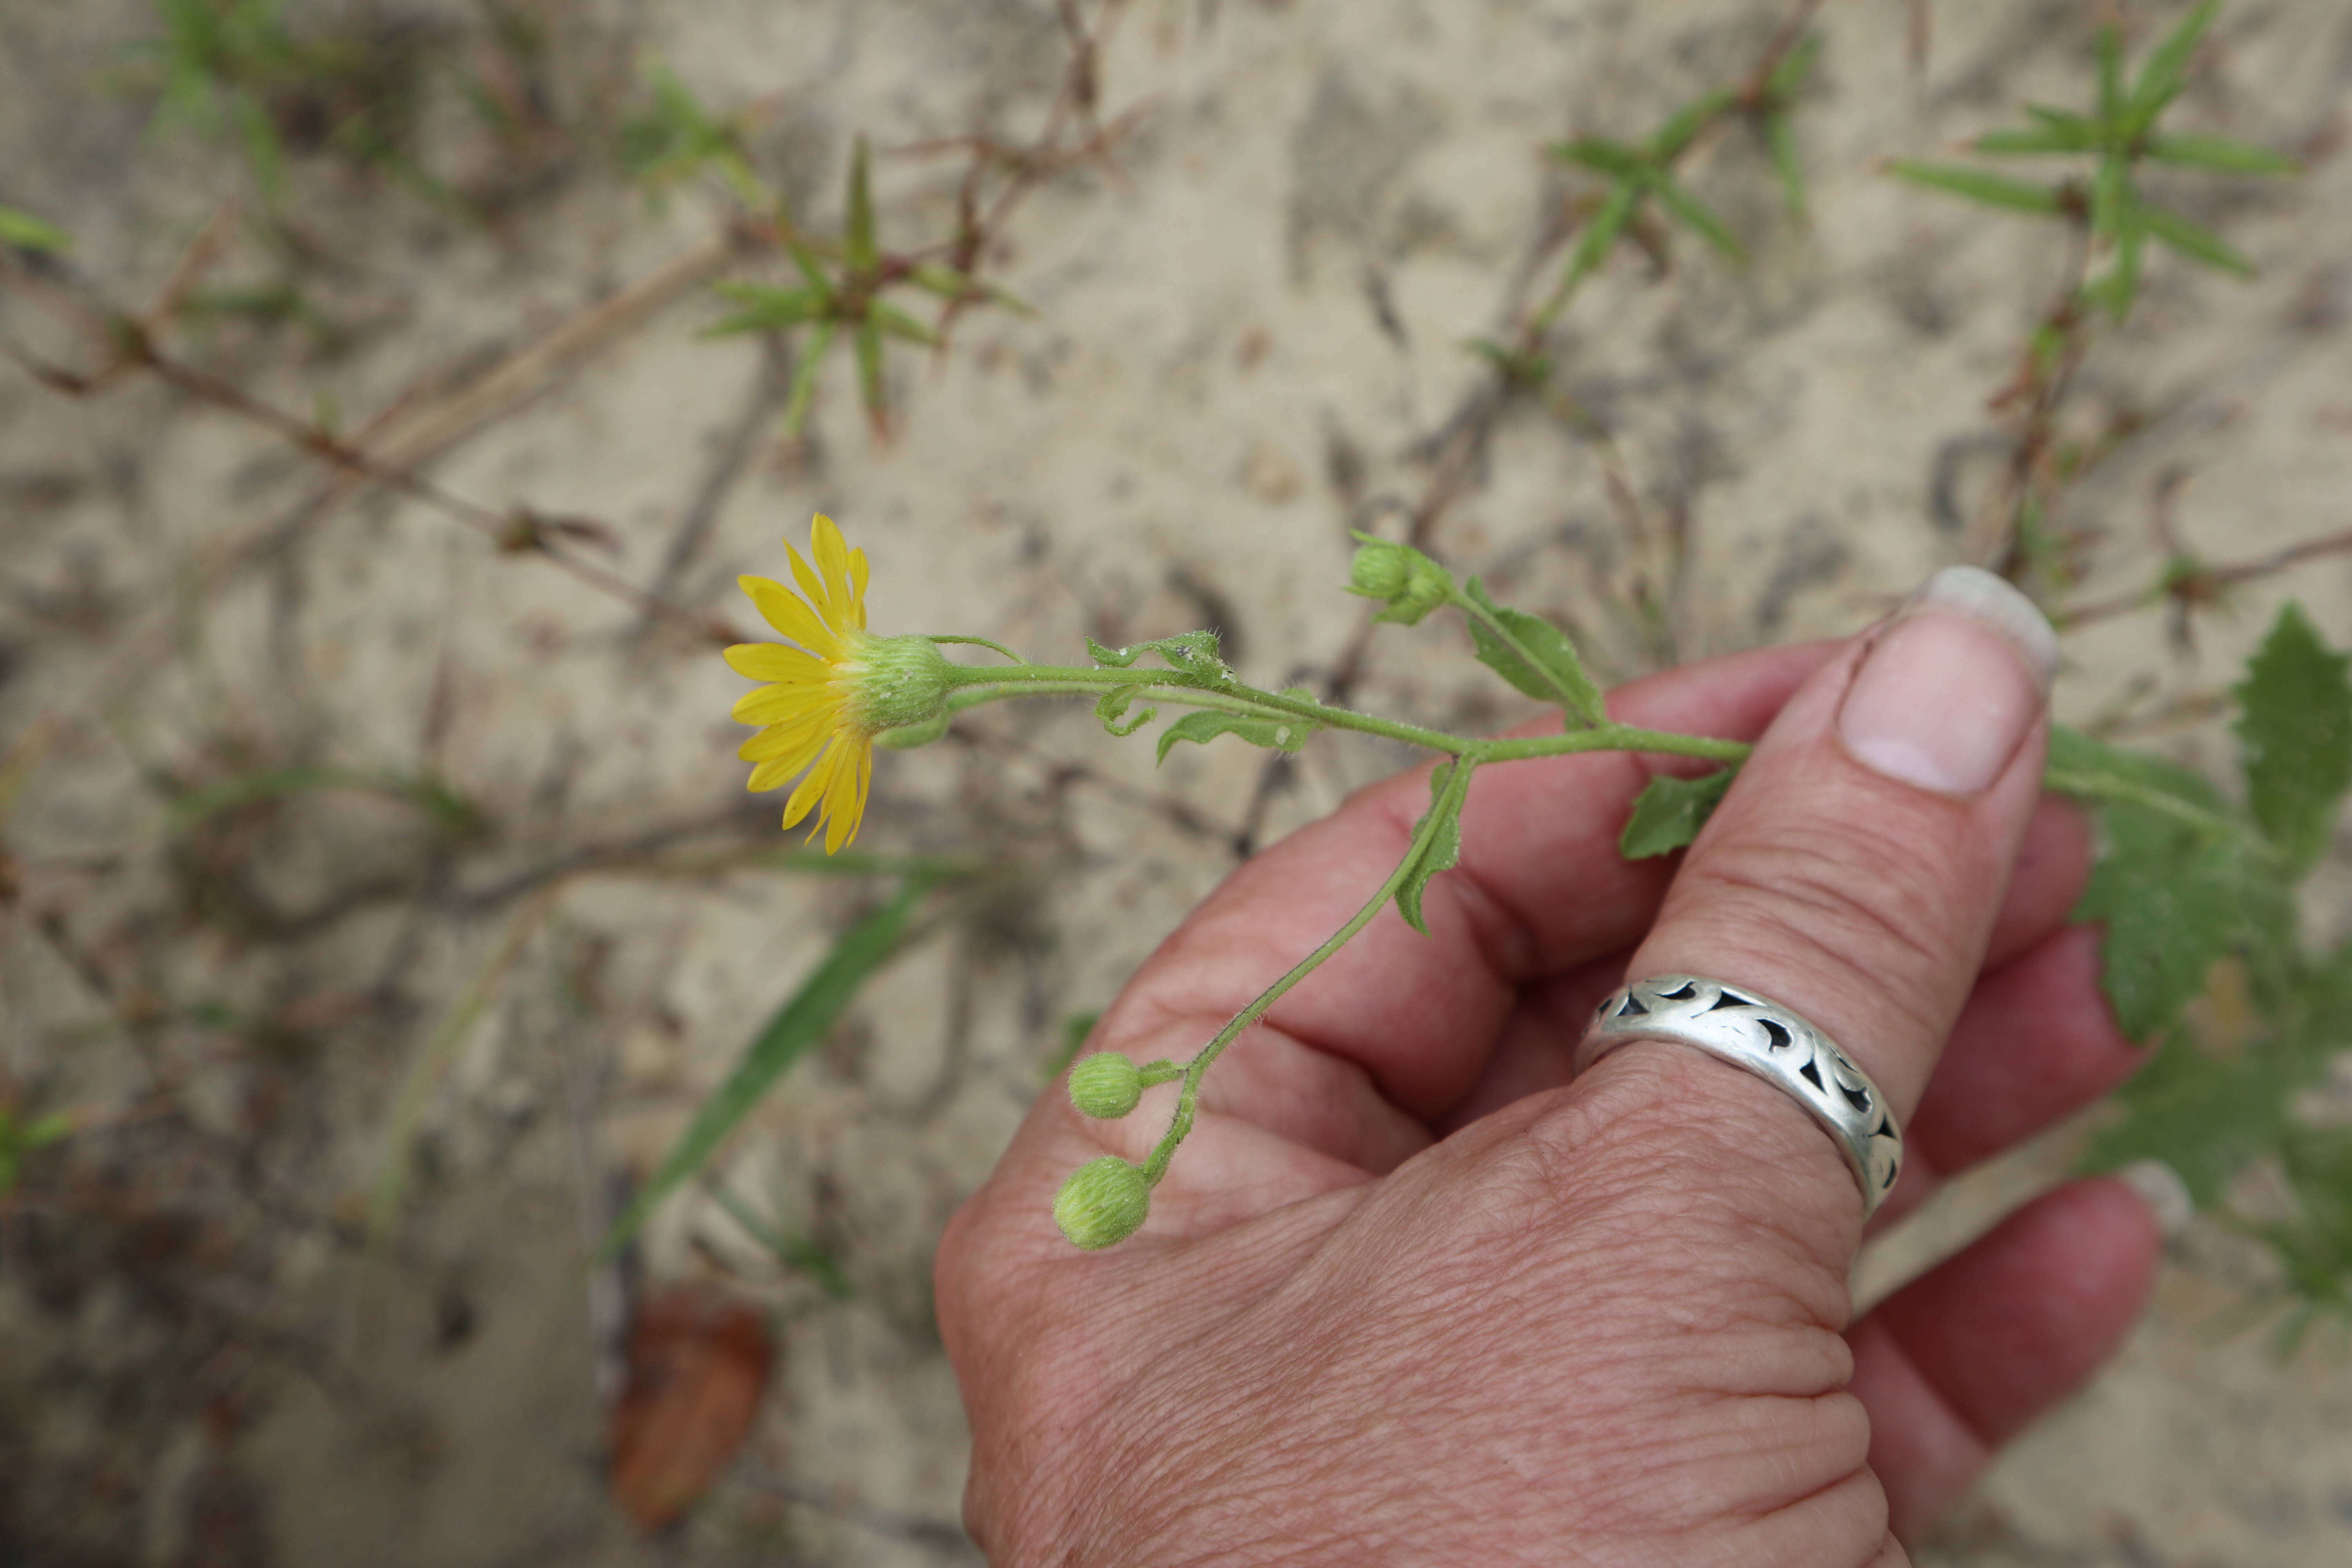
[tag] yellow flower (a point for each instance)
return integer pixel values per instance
(812, 712)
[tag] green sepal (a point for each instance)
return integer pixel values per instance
(1275, 734)
(1669, 812)
(1534, 656)
(2294, 738)
(1444, 850)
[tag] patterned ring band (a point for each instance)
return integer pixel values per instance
(1771, 1042)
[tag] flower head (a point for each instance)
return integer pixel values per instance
(823, 706)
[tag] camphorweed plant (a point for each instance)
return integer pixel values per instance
(2187, 877)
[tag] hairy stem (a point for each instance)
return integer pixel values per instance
(1456, 786)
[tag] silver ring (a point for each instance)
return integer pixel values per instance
(1773, 1043)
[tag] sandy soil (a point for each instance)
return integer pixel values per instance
(1247, 340)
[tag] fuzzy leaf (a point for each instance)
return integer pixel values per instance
(2295, 737)
(1669, 812)
(1195, 653)
(2197, 244)
(2219, 152)
(1113, 707)
(1534, 656)
(1976, 185)
(1275, 734)
(1446, 793)
(2201, 1114)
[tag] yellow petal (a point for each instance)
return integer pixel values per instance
(815, 590)
(781, 704)
(840, 801)
(797, 738)
(812, 788)
(790, 616)
(831, 554)
(857, 589)
(772, 772)
(771, 661)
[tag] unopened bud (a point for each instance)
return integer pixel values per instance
(1103, 1202)
(1411, 582)
(1106, 1085)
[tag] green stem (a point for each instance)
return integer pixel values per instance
(1440, 812)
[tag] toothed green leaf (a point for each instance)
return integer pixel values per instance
(2294, 738)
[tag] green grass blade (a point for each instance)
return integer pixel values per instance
(765, 310)
(2083, 138)
(2167, 70)
(900, 324)
(2197, 244)
(857, 241)
(1796, 67)
(1780, 141)
(796, 406)
(1697, 215)
(870, 388)
(2219, 152)
(1601, 232)
(1978, 185)
(2111, 73)
(1675, 134)
(1613, 159)
(2111, 197)
(799, 1023)
(27, 232)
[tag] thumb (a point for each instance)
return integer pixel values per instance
(1855, 871)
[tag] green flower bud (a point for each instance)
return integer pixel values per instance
(896, 683)
(1411, 584)
(1106, 1085)
(1103, 1202)
(1379, 570)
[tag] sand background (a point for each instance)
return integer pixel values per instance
(1247, 340)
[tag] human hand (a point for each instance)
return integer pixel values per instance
(1413, 1297)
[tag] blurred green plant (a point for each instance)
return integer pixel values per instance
(2119, 135)
(25, 232)
(1640, 174)
(847, 300)
(237, 69)
(20, 1135)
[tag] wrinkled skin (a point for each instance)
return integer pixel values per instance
(1408, 1296)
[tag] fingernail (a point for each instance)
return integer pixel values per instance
(1947, 693)
(2166, 1194)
